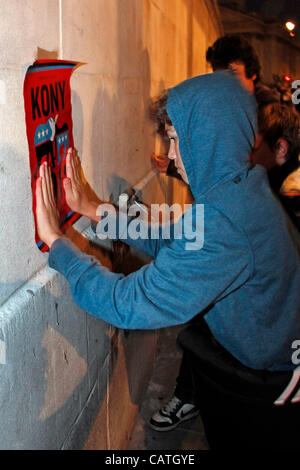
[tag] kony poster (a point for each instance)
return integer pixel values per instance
(49, 127)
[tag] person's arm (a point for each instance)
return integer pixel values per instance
(79, 201)
(77, 198)
(136, 232)
(172, 289)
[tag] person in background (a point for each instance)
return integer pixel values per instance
(290, 196)
(277, 145)
(231, 52)
(234, 52)
(277, 148)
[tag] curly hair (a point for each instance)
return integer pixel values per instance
(158, 112)
(234, 48)
(278, 120)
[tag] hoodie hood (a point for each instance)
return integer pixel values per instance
(215, 120)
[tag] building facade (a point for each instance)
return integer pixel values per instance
(279, 53)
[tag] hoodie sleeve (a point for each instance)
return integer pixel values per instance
(170, 290)
(154, 235)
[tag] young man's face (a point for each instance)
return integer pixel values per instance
(174, 153)
(239, 69)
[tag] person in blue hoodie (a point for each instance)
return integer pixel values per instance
(244, 277)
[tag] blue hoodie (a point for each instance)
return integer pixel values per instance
(247, 270)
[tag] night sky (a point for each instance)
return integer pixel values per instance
(280, 9)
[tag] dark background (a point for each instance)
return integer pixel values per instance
(280, 9)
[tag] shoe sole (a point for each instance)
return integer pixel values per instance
(173, 426)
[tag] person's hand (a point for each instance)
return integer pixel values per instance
(76, 189)
(161, 162)
(47, 216)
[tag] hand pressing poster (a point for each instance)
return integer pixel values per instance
(49, 126)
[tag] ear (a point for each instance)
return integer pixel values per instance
(281, 149)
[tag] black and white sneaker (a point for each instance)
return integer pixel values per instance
(172, 414)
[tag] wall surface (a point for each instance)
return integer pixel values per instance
(68, 380)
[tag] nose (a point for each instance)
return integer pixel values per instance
(172, 153)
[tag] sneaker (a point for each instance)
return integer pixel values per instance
(172, 414)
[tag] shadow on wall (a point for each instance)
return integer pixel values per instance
(196, 52)
(55, 365)
(58, 365)
(78, 123)
(133, 141)
(15, 229)
(121, 144)
(50, 373)
(121, 140)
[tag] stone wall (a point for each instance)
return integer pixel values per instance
(67, 379)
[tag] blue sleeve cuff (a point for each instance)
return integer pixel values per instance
(62, 255)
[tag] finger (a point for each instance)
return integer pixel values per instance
(75, 180)
(69, 169)
(50, 185)
(77, 167)
(48, 181)
(67, 183)
(39, 193)
(52, 189)
(42, 172)
(44, 186)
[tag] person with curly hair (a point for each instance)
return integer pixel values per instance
(236, 53)
(233, 52)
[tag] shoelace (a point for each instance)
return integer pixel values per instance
(172, 406)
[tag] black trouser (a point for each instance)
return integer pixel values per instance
(236, 403)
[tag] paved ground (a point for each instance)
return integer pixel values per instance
(188, 435)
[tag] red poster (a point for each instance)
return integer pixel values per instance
(49, 127)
